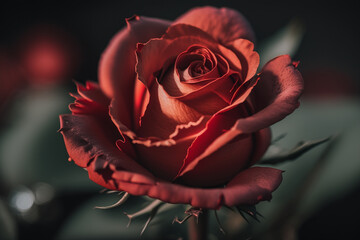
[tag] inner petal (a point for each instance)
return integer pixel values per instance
(195, 62)
(192, 70)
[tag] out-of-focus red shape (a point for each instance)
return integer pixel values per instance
(47, 54)
(11, 79)
(328, 83)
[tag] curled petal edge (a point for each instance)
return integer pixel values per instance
(248, 187)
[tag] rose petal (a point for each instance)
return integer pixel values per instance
(152, 56)
(206, 148)
(216, 93)
(168, 116)
(165, 131)
(89, 147)
(219, 131)
(220, 166)
(253, 184)
(163, 114)
(180, 30)
(249, 59)
(277, 95)
(280, 86)
(89, 100)
(262, 138)
(224, 24)
(248, 187)
(117, 64)
(141, 100)
(92, 92)
(161, 133)
(116, 116)
(161, 160)
(154, 153)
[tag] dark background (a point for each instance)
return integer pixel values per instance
(330, 44)
(331, 38)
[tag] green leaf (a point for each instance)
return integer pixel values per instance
(301, 148)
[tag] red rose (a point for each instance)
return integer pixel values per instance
(180, 114)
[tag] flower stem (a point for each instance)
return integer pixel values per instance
(198, 227)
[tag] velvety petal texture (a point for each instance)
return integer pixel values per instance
(248, 187)
(224, 24)
(181, 113)
(90, 138)
(117, 63)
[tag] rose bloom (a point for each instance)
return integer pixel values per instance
(180, 113)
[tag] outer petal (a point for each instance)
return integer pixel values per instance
(276, 95)
(89, 147)
(262, 139)
(117, 64)
(91, 101)
(224, 24)
(163, 161)
(222, 165)
(249, 59)
(248, 187)
(219, 132)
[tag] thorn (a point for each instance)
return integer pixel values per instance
(113, 191)
(219, 224)
(181, 221)
(148, 209)
(118, 203)
(249, 210)
(103, 190)
(278, 138)
(152, 215)
(243, 216)
(145, 226)
(194, 212)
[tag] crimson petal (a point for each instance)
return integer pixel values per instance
(276, 94)
(248, 187)
(224, 24)
(117, 63)
(279, 87)
(89, 147)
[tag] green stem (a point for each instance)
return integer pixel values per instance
(198, 227)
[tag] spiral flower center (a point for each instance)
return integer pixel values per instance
(195, 62)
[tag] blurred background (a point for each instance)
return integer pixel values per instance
(44, 46)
